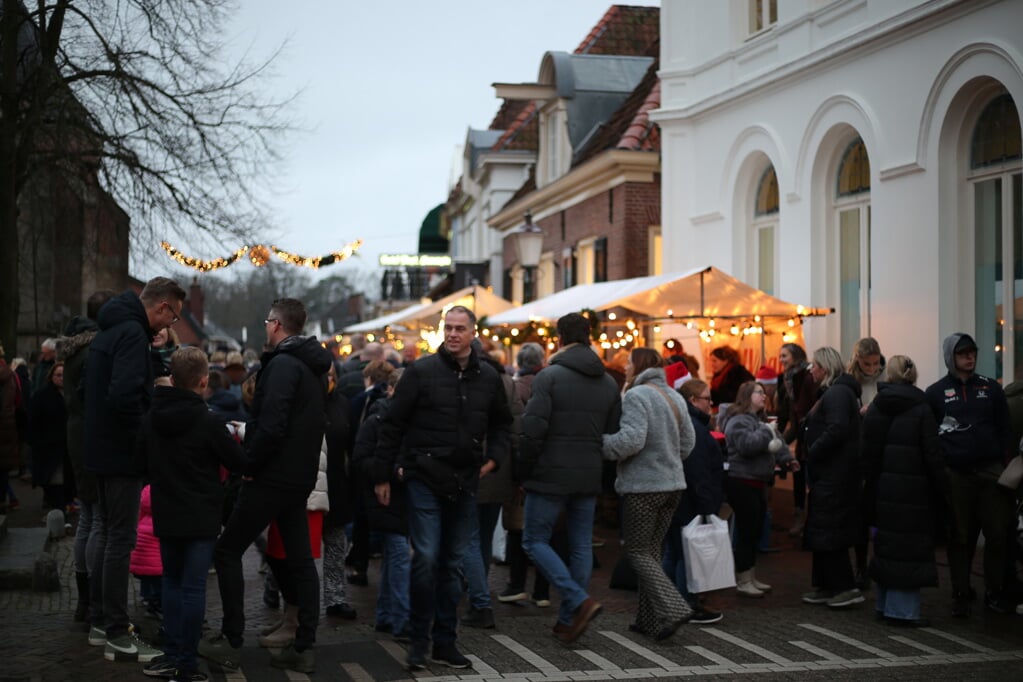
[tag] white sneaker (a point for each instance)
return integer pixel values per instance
(97, 636)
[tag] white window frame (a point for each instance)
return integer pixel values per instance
(764, 16)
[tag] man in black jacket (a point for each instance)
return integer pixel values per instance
(973, 433)
(444, 406)
(573, 404)
(118, 389)
(283, 444)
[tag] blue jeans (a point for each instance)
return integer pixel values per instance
(395, 569)
(186, 563)
(542, 512)
(439, 532)
(479, 553)
(674, 561)
(119, 507)
(902, 604)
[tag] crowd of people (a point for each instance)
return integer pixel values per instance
(175, 463)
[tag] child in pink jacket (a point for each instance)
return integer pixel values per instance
(145, 558)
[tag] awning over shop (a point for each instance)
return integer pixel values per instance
(481, 301)
(701, 293)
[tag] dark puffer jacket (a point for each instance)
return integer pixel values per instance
(118, 386)
(833, 470)
(289, 414)
(976, 431)
(372, 470)
(184, 445)
(905, 479)
(438, 419)
(574, 402)
(72, 350)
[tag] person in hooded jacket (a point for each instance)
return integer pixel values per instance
(221, 401)
(118, 390)
(48, 437)
(444, 408)
(796, 395)
(973, 419)
(283, 442)
(574, 402)
(654, 436)
(836, 482)
(336, 443)
(72, 350)
(905, 481)
(183, 446)
(387, 515)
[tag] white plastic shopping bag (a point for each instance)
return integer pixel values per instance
(708, 554)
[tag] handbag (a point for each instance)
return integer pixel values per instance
(708, 555)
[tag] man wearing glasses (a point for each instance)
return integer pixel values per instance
(118, 389)
(283, 444)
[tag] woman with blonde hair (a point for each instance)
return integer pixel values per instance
(654, 436)
(835, 480)
(905, 476)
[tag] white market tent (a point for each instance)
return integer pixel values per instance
(481, 301)
(703, 293)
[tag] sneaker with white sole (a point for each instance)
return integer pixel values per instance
(818, 597)
(129, 647)
(161, 666)
(846, 598)
(512, 594)
(97, 636)
(218, 649)
(542, 603)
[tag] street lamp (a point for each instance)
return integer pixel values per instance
(528, 247)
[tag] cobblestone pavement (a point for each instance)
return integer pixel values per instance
(776, 638)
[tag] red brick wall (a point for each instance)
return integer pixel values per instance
(622, 214)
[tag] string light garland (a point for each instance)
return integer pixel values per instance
(259, 255)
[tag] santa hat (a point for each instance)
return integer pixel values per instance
(677, 374)
(766, 375)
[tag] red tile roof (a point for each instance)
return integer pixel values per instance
(623, 30)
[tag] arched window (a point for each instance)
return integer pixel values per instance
(852, 208)
(765, 228)
(998, 239)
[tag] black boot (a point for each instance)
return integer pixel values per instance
(82, 610)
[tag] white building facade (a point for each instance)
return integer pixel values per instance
(862, 155)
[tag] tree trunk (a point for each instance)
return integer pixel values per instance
(9, 244)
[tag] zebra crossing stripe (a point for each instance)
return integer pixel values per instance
(296, 676)
(848, 640)
(817, 651)
(396, 650)
(758, 650)
(356, 672)
(598, 660)
(917, 645)
(710, 655)
(958, 640)
(641, 650)
(482, 668)
(527, 655)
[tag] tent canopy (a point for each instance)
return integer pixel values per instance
(481, 301)
(701, 293)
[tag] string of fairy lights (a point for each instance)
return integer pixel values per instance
(259, 255)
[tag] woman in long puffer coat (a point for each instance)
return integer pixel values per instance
(905, 481)
(835, 479)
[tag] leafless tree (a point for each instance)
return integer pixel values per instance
(135, 96)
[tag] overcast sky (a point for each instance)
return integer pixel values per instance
(389, 90)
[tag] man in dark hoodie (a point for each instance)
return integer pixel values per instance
(118, 389)
(72, 350)
(573, 404)
(184, 446)
(283, 444)
(443, 409)
(974, 435)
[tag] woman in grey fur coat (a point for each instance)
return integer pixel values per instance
(654, 437)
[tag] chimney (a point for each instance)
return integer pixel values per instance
(195, 302)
